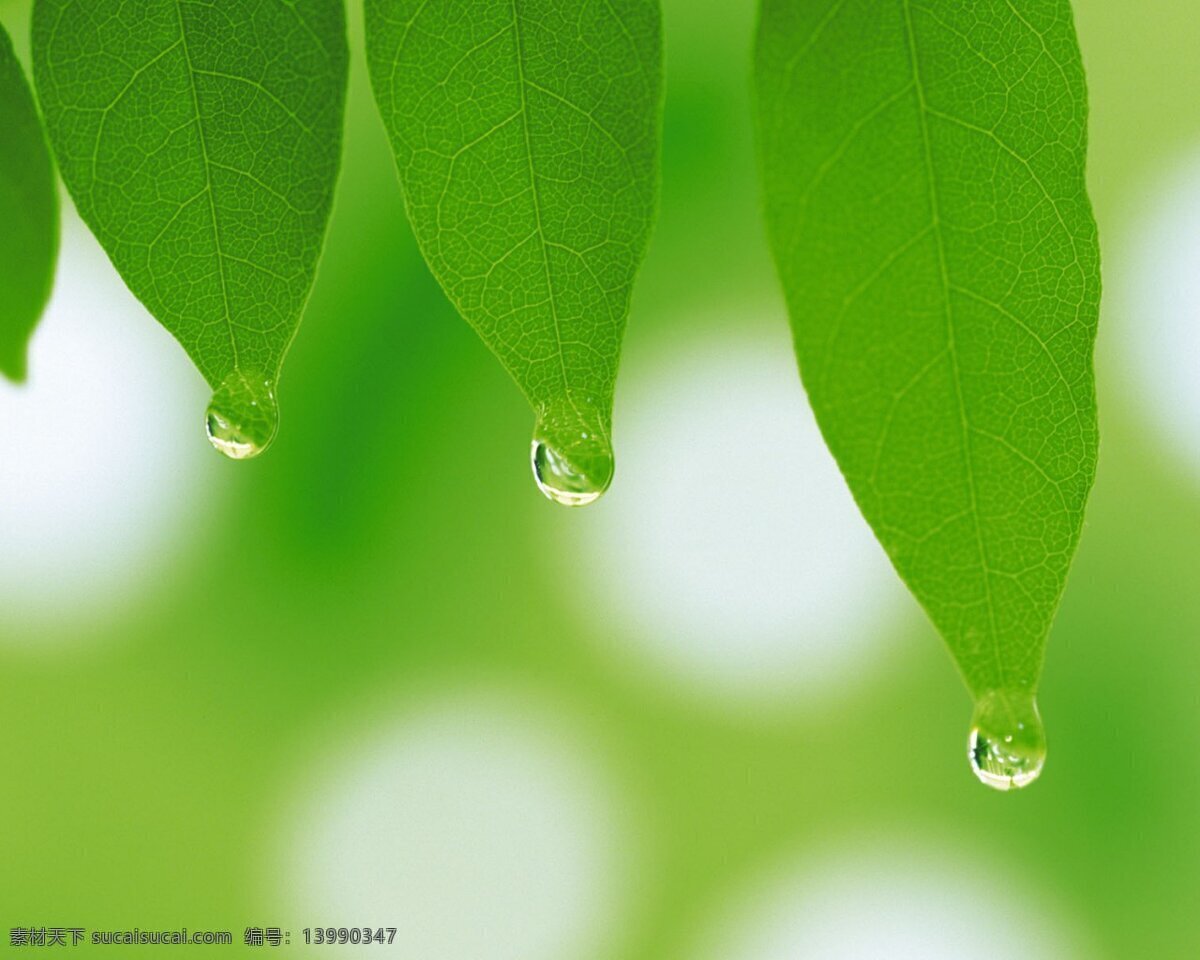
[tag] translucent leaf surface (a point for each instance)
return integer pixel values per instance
(200, 142)
(526, 138)
(924, 180)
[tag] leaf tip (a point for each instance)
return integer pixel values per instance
(14, 364)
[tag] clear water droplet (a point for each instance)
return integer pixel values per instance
(1007, 745)
(572, 459)
(242, 416)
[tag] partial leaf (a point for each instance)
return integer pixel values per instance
(28, 214)
(526, 138)
(200, 141)
(924, 181)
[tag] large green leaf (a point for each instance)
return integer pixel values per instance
(28, 214)
(526, 138)
(924, 181)
(201, 141)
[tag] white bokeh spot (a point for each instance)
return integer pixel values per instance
(469, 826)
(892, 903)
(729, 552)
(103, 451)
(1161, 307)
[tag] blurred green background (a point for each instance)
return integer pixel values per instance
(375, 679)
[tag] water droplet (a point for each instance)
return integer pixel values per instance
(1007, 745)
(243, 416)
(572, 460)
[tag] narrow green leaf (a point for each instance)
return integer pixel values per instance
(925, 195)
(28, 215)
(526, 138)
(201, 141)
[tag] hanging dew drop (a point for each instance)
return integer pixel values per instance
(572, 460)
(560, 480)
(243, 416)
(1007, 744)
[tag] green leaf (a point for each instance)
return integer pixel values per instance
(201, 141)
(526, 138)
(28, 212)
(924, 178)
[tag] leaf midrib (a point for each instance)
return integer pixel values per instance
(212, 206)
(537, 201)
(923, 112)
